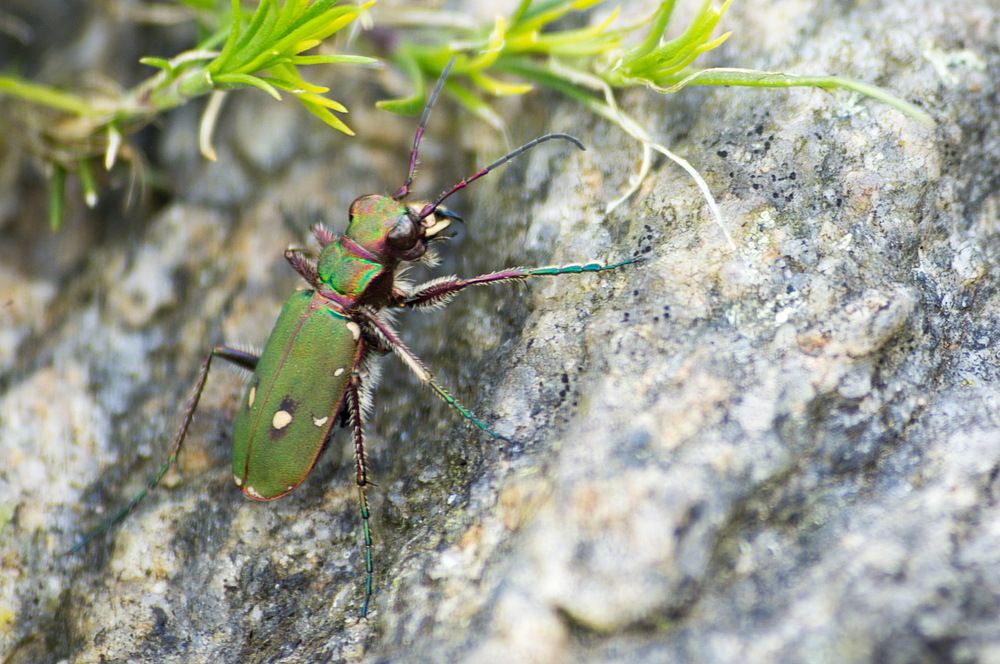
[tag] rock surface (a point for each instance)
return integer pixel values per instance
(788, 451)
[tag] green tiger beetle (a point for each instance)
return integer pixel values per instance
(316, 368)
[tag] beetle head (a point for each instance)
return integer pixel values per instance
(390, 229)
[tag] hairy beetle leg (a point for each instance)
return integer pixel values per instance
(240, 358)
(438, 292)
(387, 337)
(357, 424)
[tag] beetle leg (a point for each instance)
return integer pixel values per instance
(353, 401)
(323, 234)
(387, 337)
(303, 266)
(238, 357)
(357, 424)
(438, 292)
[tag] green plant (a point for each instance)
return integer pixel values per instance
(587, 65)
(78, 129)
(514, 55)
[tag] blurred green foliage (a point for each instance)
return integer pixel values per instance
(264, 47)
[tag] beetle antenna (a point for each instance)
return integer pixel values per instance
(405, 189)
(431, 207)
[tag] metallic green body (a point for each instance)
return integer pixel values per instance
(348, 274)
(360, 265)
(302, 377)
(294, 396)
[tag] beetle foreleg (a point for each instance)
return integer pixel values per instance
(238, 357)
(439, 292)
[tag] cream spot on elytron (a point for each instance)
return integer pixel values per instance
(320, 421)
(239, 482)
(281, 419)
(354, 329)
(254, 493)
(339, 371)
(253, 395)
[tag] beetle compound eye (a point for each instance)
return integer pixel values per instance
(404, 234)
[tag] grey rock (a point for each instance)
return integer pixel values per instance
(782, 452)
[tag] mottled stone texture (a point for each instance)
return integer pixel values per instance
(785, 451)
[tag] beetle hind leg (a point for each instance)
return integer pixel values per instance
(241, 358)
(353, 401)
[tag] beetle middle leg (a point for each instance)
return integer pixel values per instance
(387, 337)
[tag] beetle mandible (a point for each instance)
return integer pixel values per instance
(316, 368)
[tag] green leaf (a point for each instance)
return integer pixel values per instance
(586, 41)
(497, 87)
(238, 80)
(325, 102)
(519, 12)
(304, 37)
(475, 105)
(330, 59)
(546, 12)
(751, 78)
(258, 28)
(199, 4)
(87, 181)
(414, 103)
(230, 45)
(325, 115)
(660, 22)
(318, 27)
(676, 50)
(289, 13)
(57, 198)
(47, 96)
(257, 40)
(159, 63)
(315, 11)
(402, 105)
(290, 74)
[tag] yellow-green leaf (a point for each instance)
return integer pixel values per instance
(320, 100)
(326, 116)
(330, 59)
(497, 87)
(57, 198)
(475, 105)
(244, 79)
(494, 45)
(159, 63)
